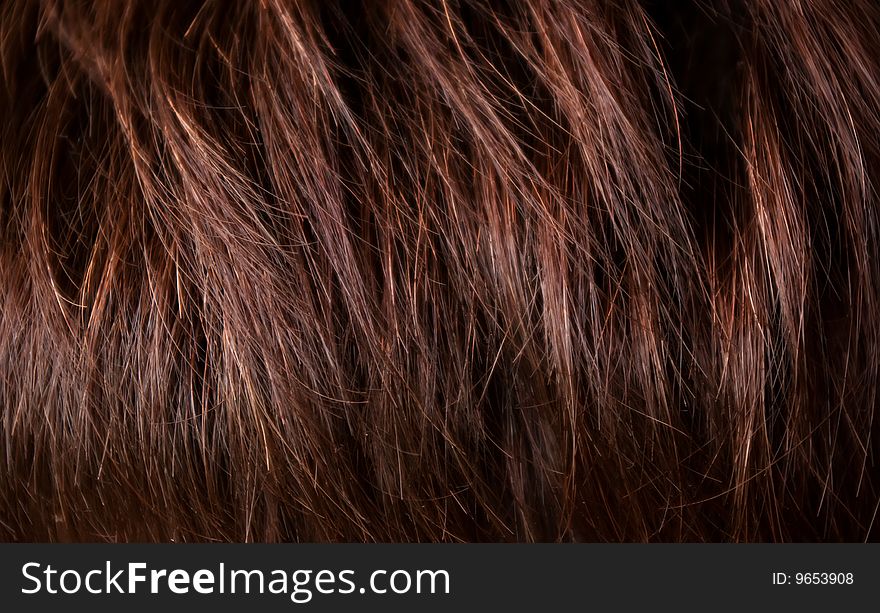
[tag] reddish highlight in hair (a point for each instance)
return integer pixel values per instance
(535, 270)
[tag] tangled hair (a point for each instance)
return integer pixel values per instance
(439, 270)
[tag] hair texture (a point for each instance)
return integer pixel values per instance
(412, 270)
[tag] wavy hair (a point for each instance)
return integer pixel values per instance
(412, 270)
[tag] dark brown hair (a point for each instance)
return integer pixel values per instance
(439, 271)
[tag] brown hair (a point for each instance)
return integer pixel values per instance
(439, 270)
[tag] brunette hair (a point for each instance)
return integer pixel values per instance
(439, 270)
